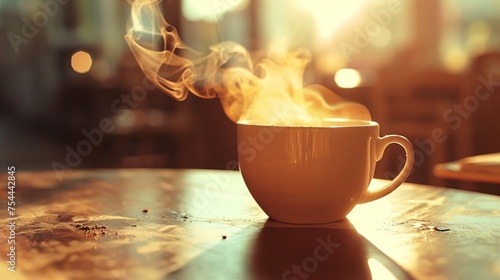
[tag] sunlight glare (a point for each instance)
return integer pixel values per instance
(330, 15)
(209, 10)
(379, 271)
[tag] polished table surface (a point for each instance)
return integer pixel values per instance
(204, 224)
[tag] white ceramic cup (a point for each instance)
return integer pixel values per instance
(312, 175)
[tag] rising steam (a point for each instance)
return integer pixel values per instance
(267, 92)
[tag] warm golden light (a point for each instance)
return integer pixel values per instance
(330, 15)
(209, 10)
(267, 91)
(383, 39)
(478, 36)
(347, 78)
(379, 271)
(455, 59)
(81, 62)
(329, 62)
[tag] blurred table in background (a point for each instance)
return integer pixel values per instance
(204, 224)
(481, 168)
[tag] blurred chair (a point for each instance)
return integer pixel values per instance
(152, 138)
(484, 68)
(419, 104)
(154, 131)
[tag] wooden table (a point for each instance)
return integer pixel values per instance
(203, 224)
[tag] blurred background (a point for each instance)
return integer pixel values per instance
(72, 95)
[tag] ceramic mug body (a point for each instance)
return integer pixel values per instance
(310, 175)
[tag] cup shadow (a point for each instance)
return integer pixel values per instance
(273, 250)
(329, 251)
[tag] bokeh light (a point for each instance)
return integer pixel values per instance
(455, 59)
(347, 78)
(81, 62)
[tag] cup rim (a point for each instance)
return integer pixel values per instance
(327, 123)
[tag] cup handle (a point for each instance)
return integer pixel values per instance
(381, 145)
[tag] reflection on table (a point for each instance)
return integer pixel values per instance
(203, 224)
